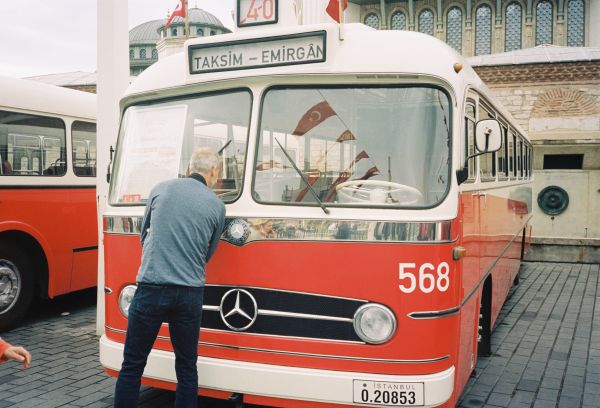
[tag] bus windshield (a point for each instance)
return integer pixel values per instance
(157, 141)
(355, 146)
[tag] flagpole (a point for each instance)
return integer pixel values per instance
(341, 25)
(187, 19)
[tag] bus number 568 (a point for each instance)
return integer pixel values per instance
(426, 279)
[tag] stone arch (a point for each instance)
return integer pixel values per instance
(565, 109)
(565, 102)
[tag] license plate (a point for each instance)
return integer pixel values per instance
(390, 394)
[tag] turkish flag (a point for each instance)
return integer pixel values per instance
(345, 175)
(313, 117)
(361, 155)
(346, 135)
(179, 11)
(373, 171)
(333, 9)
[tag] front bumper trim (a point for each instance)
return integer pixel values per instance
(276, 381)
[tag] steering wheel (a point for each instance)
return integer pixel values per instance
(377, 192)
(228, 194)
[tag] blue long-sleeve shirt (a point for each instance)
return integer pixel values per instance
(181, 228)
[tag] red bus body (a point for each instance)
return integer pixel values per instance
(436, 269)
(48, 227)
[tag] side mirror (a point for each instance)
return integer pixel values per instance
(488, 137)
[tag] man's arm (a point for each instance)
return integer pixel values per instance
(146, 220)
(214, 241)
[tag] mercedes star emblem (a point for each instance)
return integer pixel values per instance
(238, 309)
(237, 231)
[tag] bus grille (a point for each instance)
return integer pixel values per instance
(279, 313)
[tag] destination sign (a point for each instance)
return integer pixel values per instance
(304, 48)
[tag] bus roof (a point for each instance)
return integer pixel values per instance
(46, 99)
(365, 51)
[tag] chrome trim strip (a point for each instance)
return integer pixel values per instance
(454, 310)
(434, 314)
(311, 355)
(249, 230)
(121, 225)
(276, 313)
(286, 291)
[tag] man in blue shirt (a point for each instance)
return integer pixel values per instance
(181, 228)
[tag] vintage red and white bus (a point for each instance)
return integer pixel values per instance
(378, 200)
(48, 224)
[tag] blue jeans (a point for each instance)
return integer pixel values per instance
(152, 305)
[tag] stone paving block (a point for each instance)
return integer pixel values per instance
(498, 400)
(90, 399)
(569, 401)
(544, 404)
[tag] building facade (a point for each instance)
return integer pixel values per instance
(481, 27)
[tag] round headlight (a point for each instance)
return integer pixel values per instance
(374, 323)
(125, 298)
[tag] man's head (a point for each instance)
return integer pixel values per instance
(207, 163)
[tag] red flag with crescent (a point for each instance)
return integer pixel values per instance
(315, 115)
(179, 11)
(346, 135)
(333, 9)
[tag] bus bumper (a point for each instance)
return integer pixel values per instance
(277, 381)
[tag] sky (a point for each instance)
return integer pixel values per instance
(39, 37)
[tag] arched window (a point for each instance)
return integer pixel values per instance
(372, 20)
(454, 28)
(398, 21)
(174, 32)
(543, 22)
(426, 22)
(154, 53)
(131, 55)
(199, 32)
(483, 30)
(514, 21)
(143, 53)
(213, 32)
(575, 16)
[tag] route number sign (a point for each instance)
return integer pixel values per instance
(257, 12)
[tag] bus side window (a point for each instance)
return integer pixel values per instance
(83, 136)
(511, 152)
(487, 161)
(503, 155)
(470, 139)
(520, 158)
(32, 145)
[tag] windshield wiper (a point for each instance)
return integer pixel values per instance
(303, 177)
(220, 152)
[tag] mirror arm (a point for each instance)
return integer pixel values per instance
(462, 174)
(111, 151)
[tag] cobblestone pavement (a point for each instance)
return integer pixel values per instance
(546, 350)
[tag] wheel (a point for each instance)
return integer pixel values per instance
(377, 192)
(16, 285)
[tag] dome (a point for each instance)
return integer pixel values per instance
(146, 33)
(149, 32)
